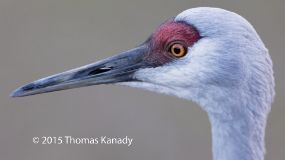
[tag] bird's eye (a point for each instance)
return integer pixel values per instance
(178, 50)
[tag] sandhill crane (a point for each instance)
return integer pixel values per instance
(211, 56)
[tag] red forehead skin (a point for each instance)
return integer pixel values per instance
(166, 34)
(175, 31)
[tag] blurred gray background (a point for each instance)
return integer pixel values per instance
(43, 37)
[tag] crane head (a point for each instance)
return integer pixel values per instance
(203, 54)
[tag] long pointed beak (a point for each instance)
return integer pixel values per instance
(119, 68)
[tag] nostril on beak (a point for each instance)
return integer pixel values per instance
(100, 70)
(91, 72)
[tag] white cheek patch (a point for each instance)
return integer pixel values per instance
(178, 92)
(183, 72)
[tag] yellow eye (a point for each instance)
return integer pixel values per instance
(178, 50)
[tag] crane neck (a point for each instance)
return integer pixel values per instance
(238, 138)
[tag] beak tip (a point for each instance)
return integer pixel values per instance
(17, 93)
(23, 90)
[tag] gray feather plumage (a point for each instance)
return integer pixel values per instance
(229, 74)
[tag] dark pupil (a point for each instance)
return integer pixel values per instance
(177, 50)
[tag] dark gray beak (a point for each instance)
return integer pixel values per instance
(119, 68)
